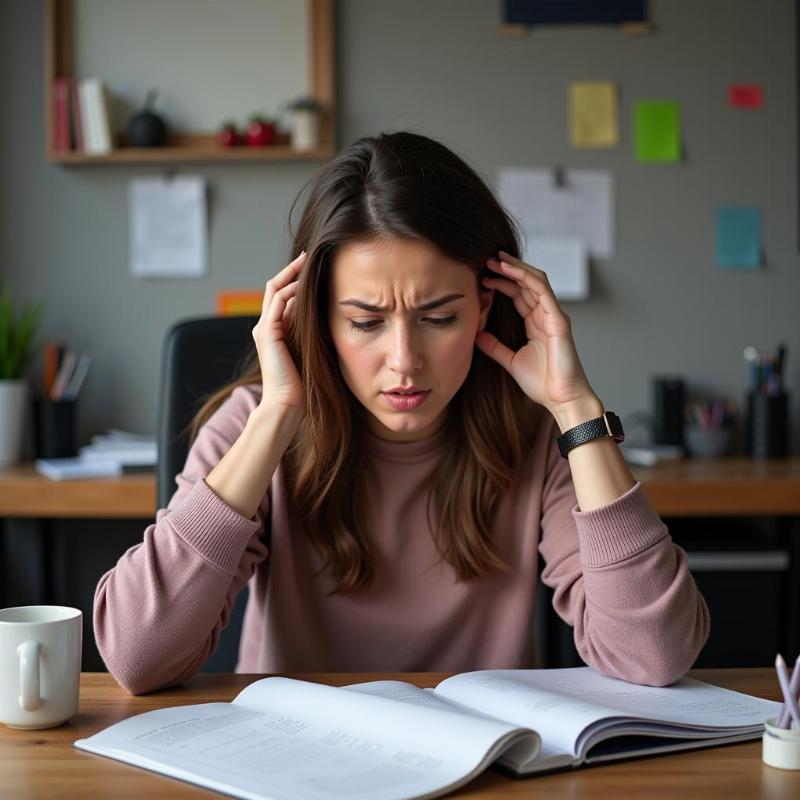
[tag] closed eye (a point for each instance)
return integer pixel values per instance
(365, 327)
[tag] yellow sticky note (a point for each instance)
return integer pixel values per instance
(593, 114)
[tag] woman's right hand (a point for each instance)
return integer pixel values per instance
(282, 387)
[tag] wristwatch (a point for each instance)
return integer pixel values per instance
(599, 428)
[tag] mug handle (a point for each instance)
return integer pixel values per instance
(30, 697)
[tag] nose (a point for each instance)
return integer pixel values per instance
(403, 357)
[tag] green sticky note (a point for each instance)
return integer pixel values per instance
(657, 125)
(738, 237)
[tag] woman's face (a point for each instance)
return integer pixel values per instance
(403, 315)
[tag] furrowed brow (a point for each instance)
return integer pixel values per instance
(424, 307)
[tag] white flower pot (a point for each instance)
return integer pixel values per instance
(12, 420)
(305, 130)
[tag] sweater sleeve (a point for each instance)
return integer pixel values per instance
(159, 612)
(619, 580)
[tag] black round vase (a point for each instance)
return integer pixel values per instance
(146, 129)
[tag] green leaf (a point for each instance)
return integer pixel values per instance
(16, 338)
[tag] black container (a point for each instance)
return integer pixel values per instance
(767, 425)
(669, 401)
(54, 431)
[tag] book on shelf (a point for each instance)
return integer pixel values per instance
(94, 119)
(281, 737)
(61, 130)
(75, 116)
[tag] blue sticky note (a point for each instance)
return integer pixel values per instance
(738, 237)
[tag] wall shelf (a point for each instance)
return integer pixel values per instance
(193, 146)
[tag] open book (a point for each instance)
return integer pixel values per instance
(388, 740)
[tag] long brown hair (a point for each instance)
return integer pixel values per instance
(399, 185)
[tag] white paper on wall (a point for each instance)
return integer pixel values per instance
(168, 227)
(583, 208)
(565, 262)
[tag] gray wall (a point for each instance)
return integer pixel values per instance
(660, 305)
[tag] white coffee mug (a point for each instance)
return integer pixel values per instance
(40, 665)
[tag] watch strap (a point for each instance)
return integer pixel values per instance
(608, 425)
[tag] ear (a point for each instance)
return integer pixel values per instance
(485, 298)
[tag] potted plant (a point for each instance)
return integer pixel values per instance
(306, 113)
(16, 353)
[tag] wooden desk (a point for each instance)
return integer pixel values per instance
(36, 764)
(26, 493)
(719, 487)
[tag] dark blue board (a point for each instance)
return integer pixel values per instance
(570, 12)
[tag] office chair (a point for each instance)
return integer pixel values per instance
(199, 357)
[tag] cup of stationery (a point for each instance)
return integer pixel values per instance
(708, 442)
(54, 428)
(40, 665)
(781, 746)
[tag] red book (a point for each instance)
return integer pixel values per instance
(61, 115)
(75, 116)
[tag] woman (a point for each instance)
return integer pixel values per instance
(386, 472)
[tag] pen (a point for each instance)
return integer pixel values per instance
(791, 703)
(753, 366)
(781, 357)
(794, 686)
(49, 367)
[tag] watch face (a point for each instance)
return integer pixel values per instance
(614, 423)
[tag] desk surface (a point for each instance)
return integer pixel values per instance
(718, 487)
(36, 764)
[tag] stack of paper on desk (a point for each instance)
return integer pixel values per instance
(389, 740)
(108, 455)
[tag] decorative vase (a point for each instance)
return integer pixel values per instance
(305, 129)
(13, 395)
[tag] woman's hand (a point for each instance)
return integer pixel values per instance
(282, 387)
(547, 368)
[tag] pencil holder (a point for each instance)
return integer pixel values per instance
(54, 433)
(781, 747)
(767, 425)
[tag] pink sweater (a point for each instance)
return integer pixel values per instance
(617, 576)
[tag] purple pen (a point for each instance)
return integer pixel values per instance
(794, 688)
(790, 703)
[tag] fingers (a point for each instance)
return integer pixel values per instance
(280, 281)
(512, 290)
(532, 281)
(289, 313)
(280, 303)
(488, 343)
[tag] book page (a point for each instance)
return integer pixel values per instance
(285, 738)
(561, 703)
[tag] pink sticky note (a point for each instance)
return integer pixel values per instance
(746, 96)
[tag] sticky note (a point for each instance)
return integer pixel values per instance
(738, 237)
(593, 114)
(750, 96)
(657, 131)
(232, 303)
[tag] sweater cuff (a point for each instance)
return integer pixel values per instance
(212, 528)
(616, 531)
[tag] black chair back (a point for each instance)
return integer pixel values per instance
(199, 357)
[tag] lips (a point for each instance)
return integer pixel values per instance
(405, 390)
(406, 400)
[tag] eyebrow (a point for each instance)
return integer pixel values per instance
(424, 307)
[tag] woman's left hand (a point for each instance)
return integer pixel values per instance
(547, 368)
